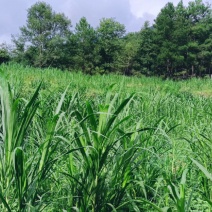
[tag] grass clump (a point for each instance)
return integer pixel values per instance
(71, 142)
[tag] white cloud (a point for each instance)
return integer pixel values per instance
(140, 7)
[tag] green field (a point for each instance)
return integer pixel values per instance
(74, 142)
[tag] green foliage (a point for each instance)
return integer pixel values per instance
(178, 41)
(110, 34)
(146, 52)
(126, 60)
(86, 55)
(4, 54)
(103, 143)
(42, 39)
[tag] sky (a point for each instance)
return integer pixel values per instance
(131, 13)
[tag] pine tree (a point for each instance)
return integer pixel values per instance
(86, 57)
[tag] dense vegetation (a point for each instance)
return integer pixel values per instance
(103, 143)
(178, 43)
(75, 142)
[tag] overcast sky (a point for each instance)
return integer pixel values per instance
(131, 13)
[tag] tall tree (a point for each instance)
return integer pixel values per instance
(200, 29)
(164, 25)
(147, 53)
(127, 62)
(110, 35)
(180, 37)
(44, 35)
(86, 57)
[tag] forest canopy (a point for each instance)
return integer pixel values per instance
(179, 43)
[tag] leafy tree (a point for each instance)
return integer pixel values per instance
(200, 18)
(86, 56)
(127, 58)
(110, 37)
(164, 25)
(180, 37)
(146, 52)
(194, 15)
(44, 35)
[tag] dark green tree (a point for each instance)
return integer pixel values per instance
(166, 48)
(180, 38)
(127, 62)
(200, 29)
(86, 55)
(110, 41)
(147, 51)
(42, 39)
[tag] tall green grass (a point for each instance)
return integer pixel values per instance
(71, 142)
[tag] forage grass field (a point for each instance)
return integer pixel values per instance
(73, 142)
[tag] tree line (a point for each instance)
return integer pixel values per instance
(179, 43)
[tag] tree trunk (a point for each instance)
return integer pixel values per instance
(192, 70)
